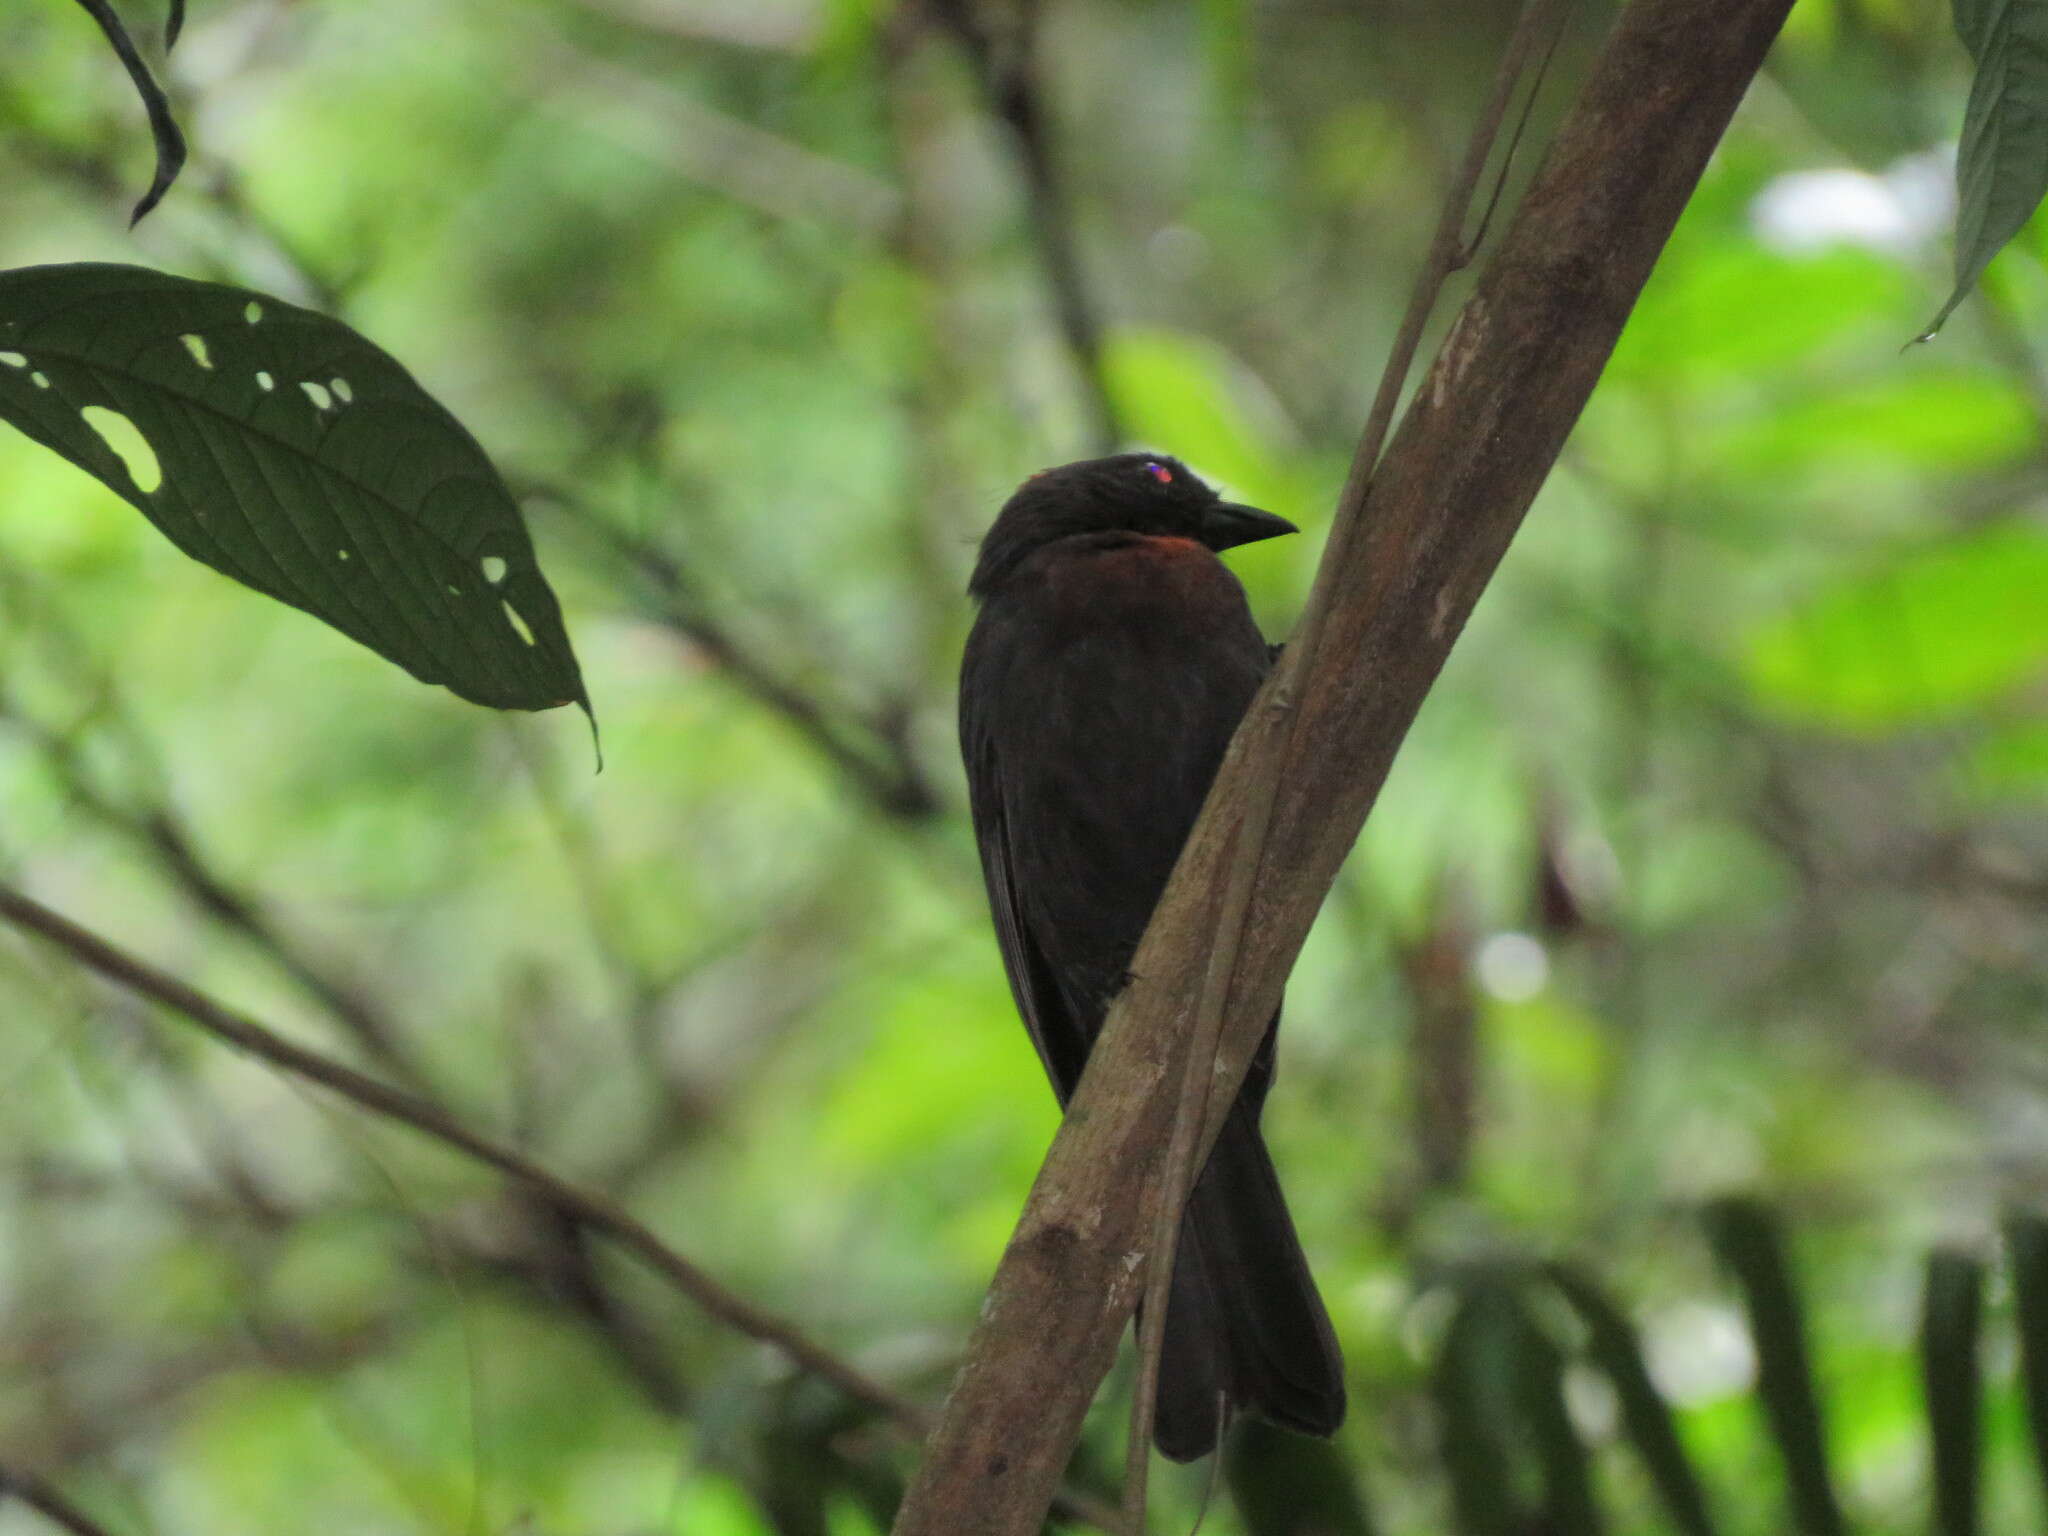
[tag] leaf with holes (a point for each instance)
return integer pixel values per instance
(281, 448)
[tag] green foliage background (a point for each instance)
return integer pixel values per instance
(750, 303)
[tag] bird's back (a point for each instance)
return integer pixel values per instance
(1101, 686)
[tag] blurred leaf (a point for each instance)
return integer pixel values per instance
(2026, 1245)
(1935, 632)
(1292, 1485)
(281, 448)
(2002, 163)
(1500, 1387)
(1950, 1321)
(163, 127)
(1732, 311)
(1182, 395)
(1471, 1385)
(1927, 420)
(1615, 1348)
(1749, 1243)
(803, 1483)
(1567, 1468)
(2011, 762)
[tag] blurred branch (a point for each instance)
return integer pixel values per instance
(790, 26)
(46, 1501)
(874, 752)
(1443, 1050)
(933, 396)
(732, 157)
(160, 833)
(1414, 547)
(1000, 56)
(586, 1207)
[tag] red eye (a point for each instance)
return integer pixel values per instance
(1161, 473)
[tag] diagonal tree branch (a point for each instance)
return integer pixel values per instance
(1413, 548)
(585, 1206)
(45, 1500)
(1448, 253)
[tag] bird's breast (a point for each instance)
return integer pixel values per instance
(1152, 582)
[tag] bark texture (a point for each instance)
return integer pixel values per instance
(1482, 432)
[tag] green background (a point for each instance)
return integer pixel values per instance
(1748, 743)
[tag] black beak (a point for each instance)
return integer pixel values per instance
(1227, 525)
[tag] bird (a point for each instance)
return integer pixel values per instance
(1111, 658)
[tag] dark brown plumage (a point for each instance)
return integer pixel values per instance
(1112, 659)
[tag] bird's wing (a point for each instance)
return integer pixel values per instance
(1061, 1040)
(1061, 1045)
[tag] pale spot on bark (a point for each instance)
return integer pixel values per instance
(1440, 614)
(1468, 333)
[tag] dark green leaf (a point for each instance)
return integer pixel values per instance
(1500, 1393)
(1615, 1348)
(1475, 1410)
(1950, 1319)
(1291, 1485)
(1748, 1242)
(170, 142)
(283, 449)
(1568, 1503)
(2026, 1243)
(2002, 163)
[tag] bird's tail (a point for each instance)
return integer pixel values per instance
(1245, 1330)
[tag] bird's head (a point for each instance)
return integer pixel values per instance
(1142, 493)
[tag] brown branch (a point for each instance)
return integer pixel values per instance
(45, 1500)
(1482, 432)
(1448, 253)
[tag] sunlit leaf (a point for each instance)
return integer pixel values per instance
(1186, 396)
(1920, 639)
(281, 448)
(1733, 311)
(1927, 420)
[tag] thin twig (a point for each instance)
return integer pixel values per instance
(891, 777)
(45, 1500)
(1003, 71)
(153, 825)
(1447, 253)
(587, 1207)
